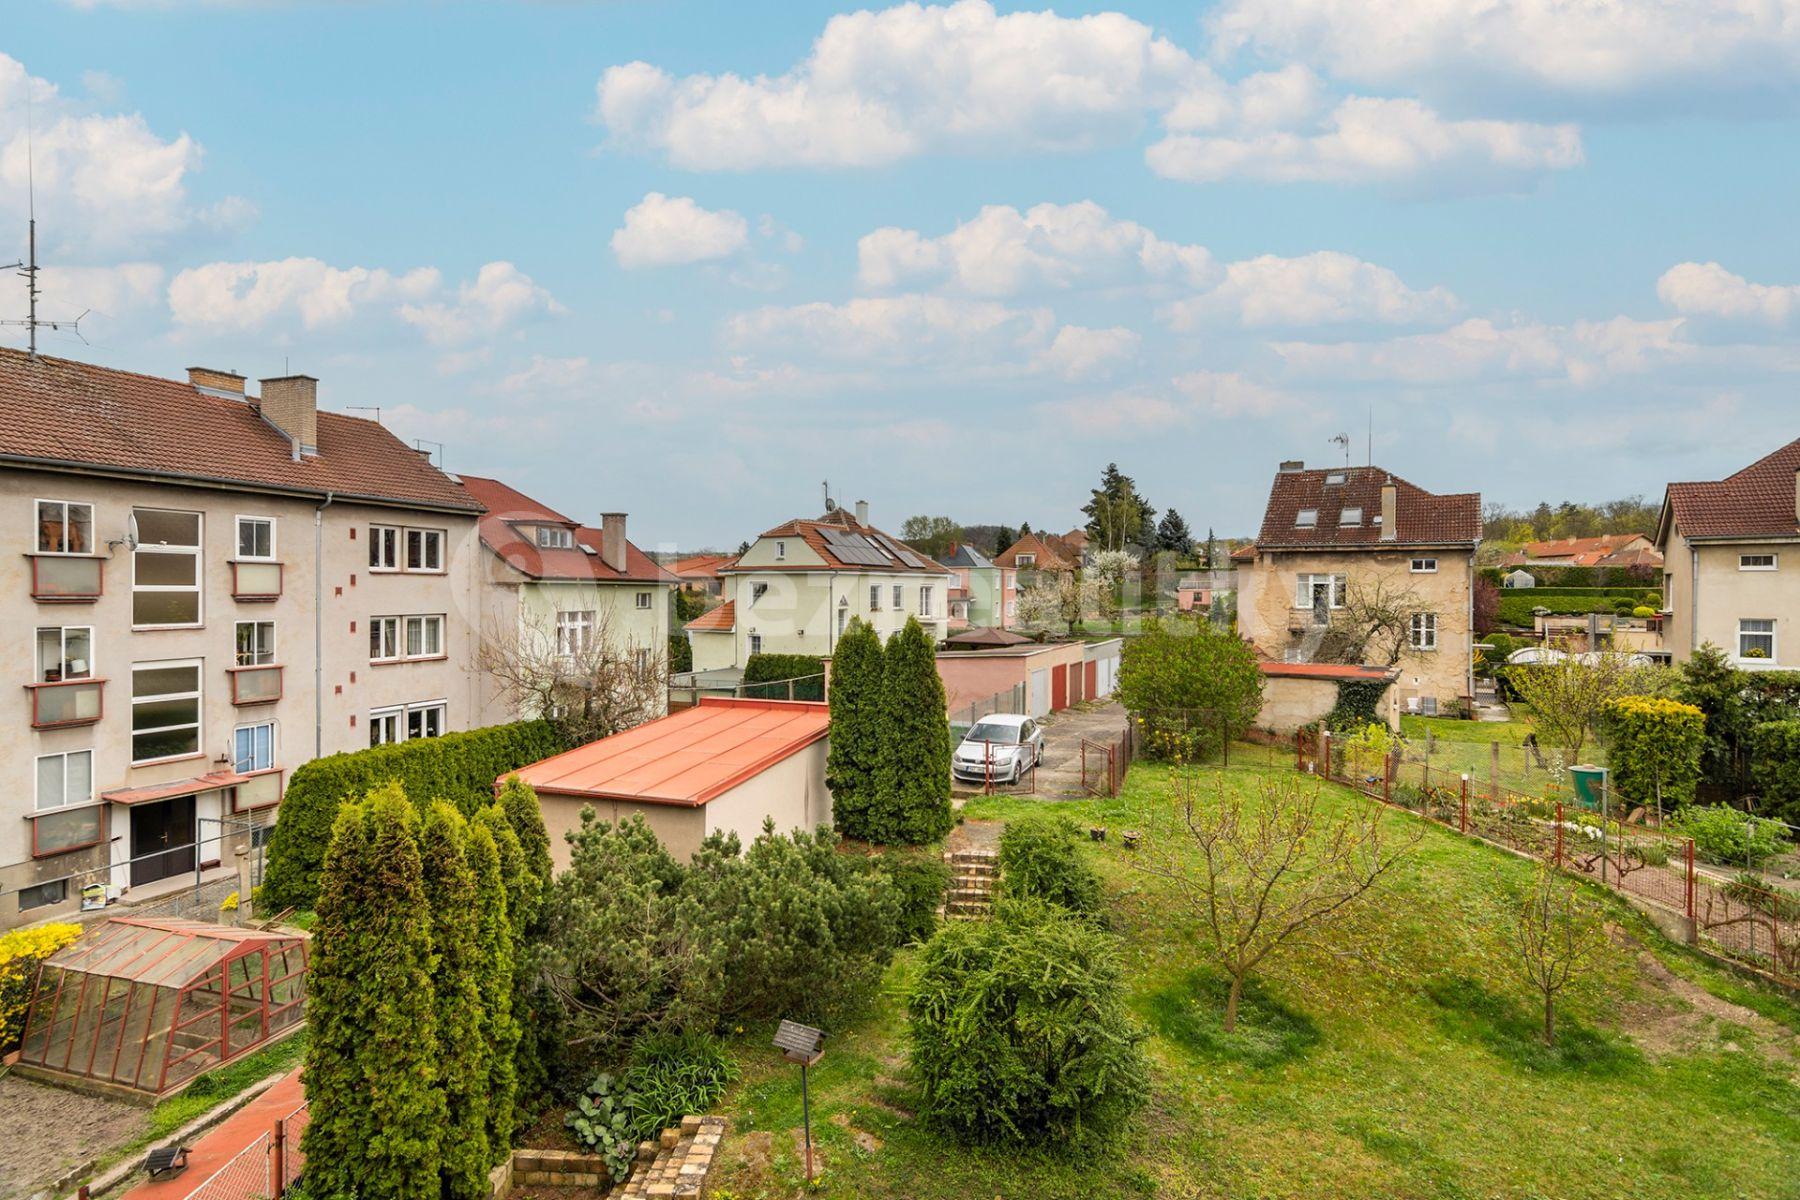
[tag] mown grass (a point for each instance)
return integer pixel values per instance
(1401, 1060)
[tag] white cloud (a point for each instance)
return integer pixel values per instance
(912, 329)
(500, 296)
(111, 182)
(662, 231)
(1366, 139)
(1571, 48)
(1708, 289)
(1078, 353)
(1004, 252)
(1188, 401)
(1228, 394)
(1479, 349)
(1314, 289)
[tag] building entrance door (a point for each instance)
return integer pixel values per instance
(162, 840)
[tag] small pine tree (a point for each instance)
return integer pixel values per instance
(499, 1029)
(855, 754)
(520, 804)
(456, 979)
(371, 956)
(912, 794)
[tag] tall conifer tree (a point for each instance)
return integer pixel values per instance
(494, 950)
(912, 793)
(854, 758)
(456, 979)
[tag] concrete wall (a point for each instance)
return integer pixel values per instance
(1290, 702)
(974, 675)
(680, 828)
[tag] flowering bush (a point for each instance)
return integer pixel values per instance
(20, 953)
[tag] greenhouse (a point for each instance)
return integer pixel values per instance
(146, 1005)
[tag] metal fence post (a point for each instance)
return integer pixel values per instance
(1464, 822)
(1324, 754)
(1494, 772)
(1559, 834)
(278, 1160)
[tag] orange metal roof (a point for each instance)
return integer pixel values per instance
(175, 787)
(722, 619)
(686, 758)
(1307, 670)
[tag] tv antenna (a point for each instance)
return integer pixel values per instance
(830, 506)
(374, 408)
(28, 268)
(1342, 442)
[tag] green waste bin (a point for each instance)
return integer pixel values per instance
(1590, 785)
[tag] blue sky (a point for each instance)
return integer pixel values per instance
(692, 259)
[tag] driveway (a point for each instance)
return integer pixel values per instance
(1100, 721)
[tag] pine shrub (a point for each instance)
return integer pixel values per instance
(911, 806)
(854, 756)
(1040, 859)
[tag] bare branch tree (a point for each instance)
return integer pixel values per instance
(1273, 873)
(586, 681)
(1065, 597)
(1374, 624)
(1556, 936)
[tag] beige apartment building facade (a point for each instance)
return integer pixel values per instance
(1731, 564)
(1328, 535)
(210, 589)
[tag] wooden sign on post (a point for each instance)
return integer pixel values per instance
(804, 1045)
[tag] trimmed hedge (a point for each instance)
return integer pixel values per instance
(1516, 603)
(774, 670)
(459, 767)
(1598, 577)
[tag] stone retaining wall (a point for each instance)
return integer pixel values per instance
(675, 1165)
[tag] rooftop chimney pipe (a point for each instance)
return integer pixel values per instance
(612, 540)
(862, 512)
(291, 404)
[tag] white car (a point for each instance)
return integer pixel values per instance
(1001, 747)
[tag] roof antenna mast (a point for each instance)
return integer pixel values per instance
(1342, 442)
(29, 268)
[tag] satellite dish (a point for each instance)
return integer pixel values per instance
(830, 505)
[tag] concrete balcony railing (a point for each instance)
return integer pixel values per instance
(260, 789)
(255, 685)
(66, 578)
(255, 581)
(66, 702)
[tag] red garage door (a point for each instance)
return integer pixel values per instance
(1093, 680)
(1076, 694)
(1059, 690)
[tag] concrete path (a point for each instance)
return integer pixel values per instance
(1060, 775)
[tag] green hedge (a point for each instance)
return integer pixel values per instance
(1601, 577)
(458, 767)
(1516, 604)
(774, 670)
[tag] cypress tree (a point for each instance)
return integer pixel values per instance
(912, 803)
(520, 804)
(371, 1075)
(494, 949)
(854, 757)
(456, 979)
(521, 892)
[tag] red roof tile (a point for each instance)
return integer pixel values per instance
(508, 507)
(1585, 552)
(811, 532)
(59, 413)
(686, 758)
(722, 619)
(1050, 557)
(1422, 518)
(701, 566)
(1758, 501)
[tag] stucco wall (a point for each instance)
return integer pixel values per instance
(1724, 594)
(680, 829)
(798, 613)
(972, 676)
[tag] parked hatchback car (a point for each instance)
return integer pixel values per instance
(1001, 747)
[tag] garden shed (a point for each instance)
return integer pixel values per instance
(143, 1005)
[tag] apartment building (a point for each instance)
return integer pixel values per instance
(551, 585)
(210, 588)
(985, 594)
(797, 586)
(1326, 534)
(1731, 563)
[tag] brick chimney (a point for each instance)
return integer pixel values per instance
(1390, 511)
(1292, 466)
(862, 512)
(291, 404)
(216, 381)
(612, 540)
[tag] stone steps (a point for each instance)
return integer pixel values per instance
(973, 875)
(676, 1164)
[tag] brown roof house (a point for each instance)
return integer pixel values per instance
(213, 587)
(1336, 540)
(1037, 552)
(700, 572)
(1731, 574)
(1605, 550)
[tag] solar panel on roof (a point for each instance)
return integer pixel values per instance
(906, 556)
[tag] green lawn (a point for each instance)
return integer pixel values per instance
(1456, 746)
(1405, 1065)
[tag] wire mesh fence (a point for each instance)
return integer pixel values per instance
(965, 717)
(244, 1177)
(287, 1160)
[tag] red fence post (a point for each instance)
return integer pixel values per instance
(278, 1160)
(1299, 751)
(1464, 823)
(1084, 764)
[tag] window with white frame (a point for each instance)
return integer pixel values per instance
(1026, 560)
(756, 643)
(1309, 589)
(780, 551)
(925, 600)
(1757, 562)
(874, 597)
(643, 600)
(165, 568)
(384, 726)
(165, 710)
(253, 747)
(574, 631)
(550, 537)
(424, 637)
(64, 652)
(1423, 634)
(1306, 518)
(757, 590)
(255, 643)
(1334, 477)
(1424, 566)
(425, 720)
(384, 547)
(1756, 638)
(898, 602)
(65, 527)
(64, 780)
(384, 638)
(425, 550)
(256, 538)
(1350, 516)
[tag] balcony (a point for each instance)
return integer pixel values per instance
(66, 702)
(255, 582)
(255, 685)
(66, 578)
(259, 789)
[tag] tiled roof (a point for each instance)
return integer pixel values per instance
(1585, 552)
(63, 413)
(1422, 518)
(722, 619)
(961, 554)
(686, 758)
(812, 533)
(508, 506)
(1049, 557)
(1244, 553)
(701, 566)
(1758, 501)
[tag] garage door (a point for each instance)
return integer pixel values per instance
(1093, 681)
(1059, 690)
(1040, 692)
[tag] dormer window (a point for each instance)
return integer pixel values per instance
(1026, 560)
(550, 537)
(780, 551)
(1335, 477)
(1306, 518)
(1350, 516)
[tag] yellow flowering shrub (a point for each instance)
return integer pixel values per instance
(20, 953)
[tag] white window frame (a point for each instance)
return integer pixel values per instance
(1337, 586)
(1026, 560)
(925, 591)
(389, 638)
(237, 752)
(260, 655)
(430, 564)
(423, 622)
(37, 799)
(387, 725)
(196, 552)
(1773, 564)
(1424, 565)
(238, 545)
(643, 601)
(1422, 631)
(1333, 478)
(551, 537)
(62, 638)
(874, 597)
(780, 551)
(198, 696)
(899, 599)
(440, 707)
(1350, 517)
(37, 525)
(1768, 633)
(384, 548)
(1306, 518)
(574, 631)
(756, 643)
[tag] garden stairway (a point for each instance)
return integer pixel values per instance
(973, 873)
(675, 1164)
